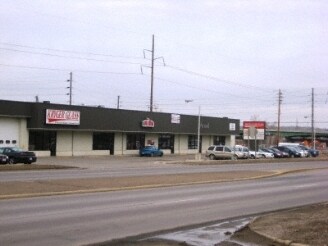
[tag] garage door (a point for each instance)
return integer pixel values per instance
(9, 132)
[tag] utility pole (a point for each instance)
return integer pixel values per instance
(152, 75)
(312, 119)
(152, 51)
(118, 102)
(279, 112)
(70, 80)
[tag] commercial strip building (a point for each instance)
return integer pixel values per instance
(70, 130)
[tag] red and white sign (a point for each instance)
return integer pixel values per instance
(259, 130)
(62, 117)
(256, 124)
(148, 123)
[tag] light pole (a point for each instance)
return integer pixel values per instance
(198, 155)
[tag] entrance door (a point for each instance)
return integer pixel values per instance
(166, 141)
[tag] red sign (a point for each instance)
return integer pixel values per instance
(148, 123)
(62, 117)
(256, 124)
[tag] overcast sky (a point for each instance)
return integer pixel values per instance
(229, 57)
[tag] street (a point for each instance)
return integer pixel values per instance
(97, 217)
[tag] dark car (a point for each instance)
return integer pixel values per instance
(17, 155)
(279, 154)
(150, 151)
(292, 152)
(312, 152)
(3, 159)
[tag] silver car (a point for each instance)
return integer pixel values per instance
(220, 152)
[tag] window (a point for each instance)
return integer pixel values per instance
(7, 141)
(165, 141)
(42, 140)
(211, 148)
(1, 141)
(219, 140)
(135, 141)
(192, 142)
(219, 148)
(102, 141)
(14, 142)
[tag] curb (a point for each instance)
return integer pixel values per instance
(277, 240)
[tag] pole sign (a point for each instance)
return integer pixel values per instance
(62, 117)
(254, 130)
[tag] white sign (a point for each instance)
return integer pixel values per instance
(232, 126)
(175, 118)
(62, 117)
(258, 126)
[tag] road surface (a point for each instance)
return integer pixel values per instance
(97, 217)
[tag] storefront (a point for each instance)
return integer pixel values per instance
(69, 130)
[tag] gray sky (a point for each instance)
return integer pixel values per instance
(229, 57)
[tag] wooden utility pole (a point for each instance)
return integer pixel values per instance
(279, 112)
(70, 80)
(118, 102)
(312, 119)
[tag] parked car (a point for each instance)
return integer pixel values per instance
(278, 154)
(265, 153)
(3, 159)
(241, 152)
(17, 155)
(220, 152)
(311, 152)
(255, 155)
(292, 152)
(150, 151)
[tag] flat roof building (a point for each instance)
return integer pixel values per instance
(71, 130)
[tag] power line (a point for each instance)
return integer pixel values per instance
(71, 51)
(68, 70)
(71, 57)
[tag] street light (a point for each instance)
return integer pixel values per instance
(198, 155)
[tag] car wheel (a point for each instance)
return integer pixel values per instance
(252, 157)
(212, 157)
(11, 161)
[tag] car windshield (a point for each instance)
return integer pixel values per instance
(149, 147)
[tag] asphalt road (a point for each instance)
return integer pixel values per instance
(90, 218)
(135, 166)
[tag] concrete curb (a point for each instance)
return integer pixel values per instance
(277, 240)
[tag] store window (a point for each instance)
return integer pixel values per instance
(192, 142)
(102, 141)
(219, 140)
(165, 141)
(42, 140)
(135, 141)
